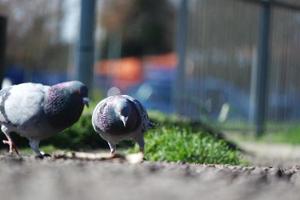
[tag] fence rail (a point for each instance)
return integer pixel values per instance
(3, 24)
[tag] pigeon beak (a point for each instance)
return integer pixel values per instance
(124, 120)
(86, 101)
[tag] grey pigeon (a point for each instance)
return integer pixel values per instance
(37, 111)
(120, 117)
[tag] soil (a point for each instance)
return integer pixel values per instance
(78, 178)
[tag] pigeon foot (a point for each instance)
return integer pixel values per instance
(42, 156)
(115, 155)
(11, 145)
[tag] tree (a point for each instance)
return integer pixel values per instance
(144, 26)
(33, 38)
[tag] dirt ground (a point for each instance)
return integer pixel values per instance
(58, 178)
(282, 155)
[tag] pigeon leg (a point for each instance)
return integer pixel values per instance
(112, 149)
(113, 153)
(11, 145)
(141, 143)
(9, 141)
(34, 144)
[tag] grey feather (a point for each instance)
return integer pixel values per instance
(107, 118)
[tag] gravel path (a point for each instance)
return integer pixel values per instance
(55, 179)
(264, 154)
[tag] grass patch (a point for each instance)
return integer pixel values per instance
(48, 149)
(181, 144)
(180, 140)
(288, 136)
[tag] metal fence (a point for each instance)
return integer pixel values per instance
(3, 24)
(238, 62)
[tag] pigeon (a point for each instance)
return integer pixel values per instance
(37, 111)
(121, 117)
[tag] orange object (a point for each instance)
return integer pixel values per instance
(128, 71)
(125, 68)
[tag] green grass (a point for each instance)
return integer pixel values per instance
(284, 135)
(46, 148)
(181, 144)
(288, 136)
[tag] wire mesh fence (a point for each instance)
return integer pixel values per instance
(221, 59)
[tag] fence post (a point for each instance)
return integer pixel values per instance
(181, 42)
(3, 25)
(85, 48)
(262, 72)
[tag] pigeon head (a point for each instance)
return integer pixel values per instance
(123, 110)
(117, 115)
(77, 88)
(64, 103)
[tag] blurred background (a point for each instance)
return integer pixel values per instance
(233, 63)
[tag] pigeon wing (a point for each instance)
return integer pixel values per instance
(4, 94)
(20, 103)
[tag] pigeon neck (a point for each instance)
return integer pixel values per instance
(62, 107)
